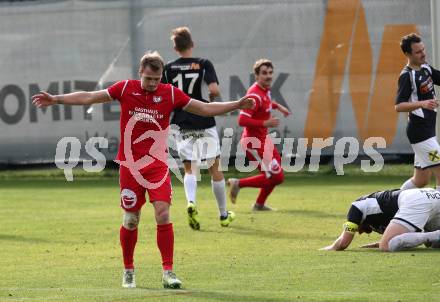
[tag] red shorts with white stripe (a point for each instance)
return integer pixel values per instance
(267, 156)
(155, 182)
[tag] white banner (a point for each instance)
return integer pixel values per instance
(336, 63)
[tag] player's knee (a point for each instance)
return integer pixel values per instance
(216, 175)
(383, 247)
(394, 244)
(189, 167)
(277, 179)
(162, 216)
(131, 220)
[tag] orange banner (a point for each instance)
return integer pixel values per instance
(345, 40)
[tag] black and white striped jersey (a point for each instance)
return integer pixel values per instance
(192, 76)
(414, 86)
(375, 210)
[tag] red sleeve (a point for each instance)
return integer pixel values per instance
(117, 90)
(274, 105)
(244, 120)
(180, 98)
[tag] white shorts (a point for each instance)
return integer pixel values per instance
(426, 153)
(417, 208)
(198, 145)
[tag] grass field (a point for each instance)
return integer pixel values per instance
(59, 242)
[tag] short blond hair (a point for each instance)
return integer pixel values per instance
(152, 60)
(262, 62)
(181, 36)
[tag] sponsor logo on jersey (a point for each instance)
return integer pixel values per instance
(195, 66)
(181, 67)
(192, 66)
(431, 194)
(136, 93)
(426, 86)
(157, 99)
(157, 153)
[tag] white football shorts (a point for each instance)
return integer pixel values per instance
(426, 153)
(198, 145)
(417, 207)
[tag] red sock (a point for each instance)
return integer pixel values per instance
(128, 240)
(264, 193)
(258, 181)
(165, 243)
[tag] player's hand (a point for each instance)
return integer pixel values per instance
(430, 104)
(43, 99)
(246, 103)
(283, 110)
(271, 122)
(374, 245)
(328, 248)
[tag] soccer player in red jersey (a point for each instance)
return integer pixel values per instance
(256, 141)
(146, 105)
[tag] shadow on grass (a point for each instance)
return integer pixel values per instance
(139, 294)
(18, 238)
(421, 250)
(275, 234)
(4, 237)
(56, 184)
(219, 296)
(312, 213)
(214, 295)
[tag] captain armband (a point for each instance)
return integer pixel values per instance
(350, 227)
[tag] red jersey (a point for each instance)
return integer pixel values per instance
(261, 111)
(144, 121)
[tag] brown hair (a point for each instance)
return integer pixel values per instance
(152, 60)
(408, 40)
(182, 39)
(262, 62)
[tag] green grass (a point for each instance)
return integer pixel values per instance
(59, 242)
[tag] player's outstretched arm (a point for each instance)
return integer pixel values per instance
(341, 243)
(281, 109)
(213, 109)
(44, 99)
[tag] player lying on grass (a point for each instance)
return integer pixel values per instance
(400, 216)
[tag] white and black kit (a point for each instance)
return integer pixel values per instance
(197, 138)
(415, 86)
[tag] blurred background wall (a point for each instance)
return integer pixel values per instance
(336, 63)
